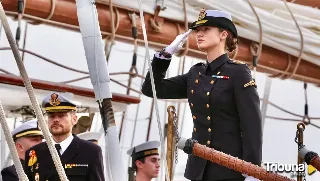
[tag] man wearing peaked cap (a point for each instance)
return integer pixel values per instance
(58, 102)
(81, 159)
(25, 136)
(90, 136)
(145, 160)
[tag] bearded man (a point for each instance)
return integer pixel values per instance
(81, 159)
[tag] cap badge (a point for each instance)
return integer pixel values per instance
(54, 101)
(202, 14)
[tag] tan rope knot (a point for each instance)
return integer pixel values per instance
(133, 72)
(154, 22)
(254, 48)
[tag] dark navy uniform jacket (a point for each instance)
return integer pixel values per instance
(10, 173)
(226, 111)
(82, 161)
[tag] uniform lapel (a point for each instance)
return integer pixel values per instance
(72, 150)
(68, 155)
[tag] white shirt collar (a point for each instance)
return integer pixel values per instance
(65, 144)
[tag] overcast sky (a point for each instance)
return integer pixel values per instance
(66, 48)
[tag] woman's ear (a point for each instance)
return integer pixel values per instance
(224, 35)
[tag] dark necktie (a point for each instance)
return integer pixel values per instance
(58, 147)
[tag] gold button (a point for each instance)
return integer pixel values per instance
(194, 129)
(209, 130)
(191, 104)
(208, 93)
(208, 106)
(199, 73)
(192, 91)
(212, 81)
(208, 118)
(197, 81)
(194, 117)
(208, 142)
(218, 73)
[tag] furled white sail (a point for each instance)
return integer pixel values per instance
(279, 29)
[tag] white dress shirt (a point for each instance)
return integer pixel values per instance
(65, 144)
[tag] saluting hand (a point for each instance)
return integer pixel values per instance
(177, 44)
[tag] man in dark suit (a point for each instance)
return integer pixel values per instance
(25, 136)
(81, 159)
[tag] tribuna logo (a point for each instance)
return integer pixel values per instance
(294, 169)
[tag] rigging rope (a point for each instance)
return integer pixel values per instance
(20, 11)
(33, 99)
(301, 42)
(138, 107)
(133, 64)
(24, 40)
(256, 54)
(184, 50)
(19, 168)
(306, 120)
(109, 43)
(153, 87)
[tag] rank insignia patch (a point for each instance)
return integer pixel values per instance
(251, 83)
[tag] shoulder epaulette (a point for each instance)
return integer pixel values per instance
(237, 62)
(250, 83)
(199, 64)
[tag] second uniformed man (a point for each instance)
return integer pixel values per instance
(25, 136)
(82, 160)
(146, 160)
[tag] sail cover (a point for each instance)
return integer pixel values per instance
(279, 29)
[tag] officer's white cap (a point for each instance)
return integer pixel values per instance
(59, 102)
(145, 149)
(215, 18)
(89, 136)
(217, 13)
(29, 128)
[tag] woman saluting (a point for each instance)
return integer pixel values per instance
(222, 97)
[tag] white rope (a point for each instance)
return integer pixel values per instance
(163, 158)
(138, 108)
(0, 29)
(17, 164)
(33, 99)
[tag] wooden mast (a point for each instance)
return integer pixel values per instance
(312, 3)
(272, 61)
